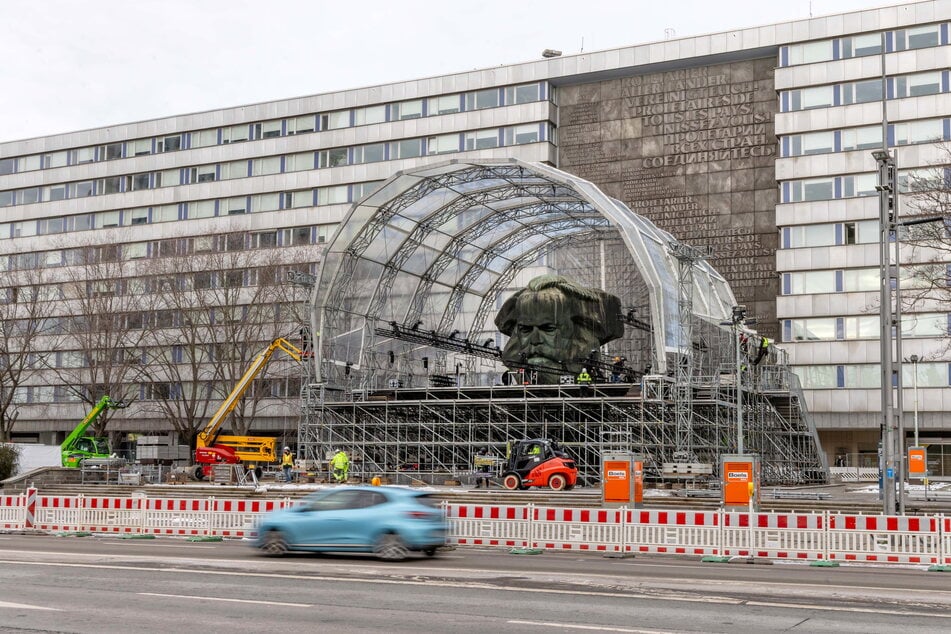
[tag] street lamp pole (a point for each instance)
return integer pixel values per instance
(914, 383)
(739, 315)
(886, 189)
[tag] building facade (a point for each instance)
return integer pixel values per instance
(755, 143)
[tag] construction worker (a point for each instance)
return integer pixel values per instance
(584, 380)
(340, 465)
(287, 463)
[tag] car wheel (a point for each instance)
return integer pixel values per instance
(199, 474)
(430, 552)
(512, 482)
(275, 544)
(557, 482)
(390, 547)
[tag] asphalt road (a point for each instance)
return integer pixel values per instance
(107, 584)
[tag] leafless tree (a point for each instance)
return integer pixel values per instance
(26, 308)
(220, 304)
(102, 336)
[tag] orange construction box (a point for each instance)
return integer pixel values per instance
(917, 462)
(740, 481)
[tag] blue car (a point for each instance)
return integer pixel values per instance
(387, 521)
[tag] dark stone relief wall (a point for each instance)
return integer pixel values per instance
(692, 150)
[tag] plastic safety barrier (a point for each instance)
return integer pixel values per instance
(803, 536)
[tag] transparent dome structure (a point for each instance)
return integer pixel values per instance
(434, 251)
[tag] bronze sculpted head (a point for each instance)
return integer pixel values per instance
(555, 325)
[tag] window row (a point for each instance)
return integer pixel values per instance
(862, 280)
(865, 44)
(828, 235)
(864, 91)
(283, 387)
(853, 185)
(335, 157)
(865, 138)
(293, 236)
(863, 327)
(239, 205)
(411, 109)
(869, 376)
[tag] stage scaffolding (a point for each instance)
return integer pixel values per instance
(430, 432)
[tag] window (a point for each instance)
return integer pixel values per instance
(522, 94)
(82, 222)
(370, 114)
(859, 185)
(409, 148)
(24, 229)
(28, 196)
(860, 45)
(808, 282)
(860, 280)
(168, 178)
(806, 98)
(140, 147)
(299, 162)
(482, 99)
(110, 151)
(111, 185)
(812, 143)
(83, 189)
(236, 133)
(82, 155)
(264, 240)
(106, 219)
(918, 84)
(201, 209)
(482, 139)
(30, 163)
(298, 199)
(333, 158)
(55, 159)
(266, 165)
(204, 138)
(135, 251)
(47, 226)
(862, 91)
(866, 138)
(297, 236)
(234, 169)
(302, 125)
(138, 216)
(267, 129)
(369, 153)
(332, 195)
(812, 189)
(919, 37)
(139, 181)
(406, 110)
(7, 198)
(519, 134)
(359, 190)
(446, 104)
(7, 166)
(170, 143)
(202, 174)
(234, 206)
(924, 131)
(808, 53)
(54, 192)
(335, 120)
(442, 144)
(165, 213)
(265, 202)
(808, 236)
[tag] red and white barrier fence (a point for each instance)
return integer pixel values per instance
(802, 536)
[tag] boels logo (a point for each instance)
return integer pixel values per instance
(738, 476)
(617, 474)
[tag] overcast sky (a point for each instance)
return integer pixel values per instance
(75, 64)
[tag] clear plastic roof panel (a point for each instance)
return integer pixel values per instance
(431, 247)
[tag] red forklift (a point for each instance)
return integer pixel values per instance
(538, 462)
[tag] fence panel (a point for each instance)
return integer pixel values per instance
(882, 538)
(12, 512)
(488, 525)
(774, 535)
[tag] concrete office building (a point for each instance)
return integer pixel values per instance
(755, 142)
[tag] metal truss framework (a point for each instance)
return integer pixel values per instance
(404, 293)
(436, 431)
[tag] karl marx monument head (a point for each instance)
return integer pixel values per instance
(554, 325)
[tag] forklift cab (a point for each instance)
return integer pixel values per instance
(526, 454)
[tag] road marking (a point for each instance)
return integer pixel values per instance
(228, 600)
(597, 628)
(24, 606)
